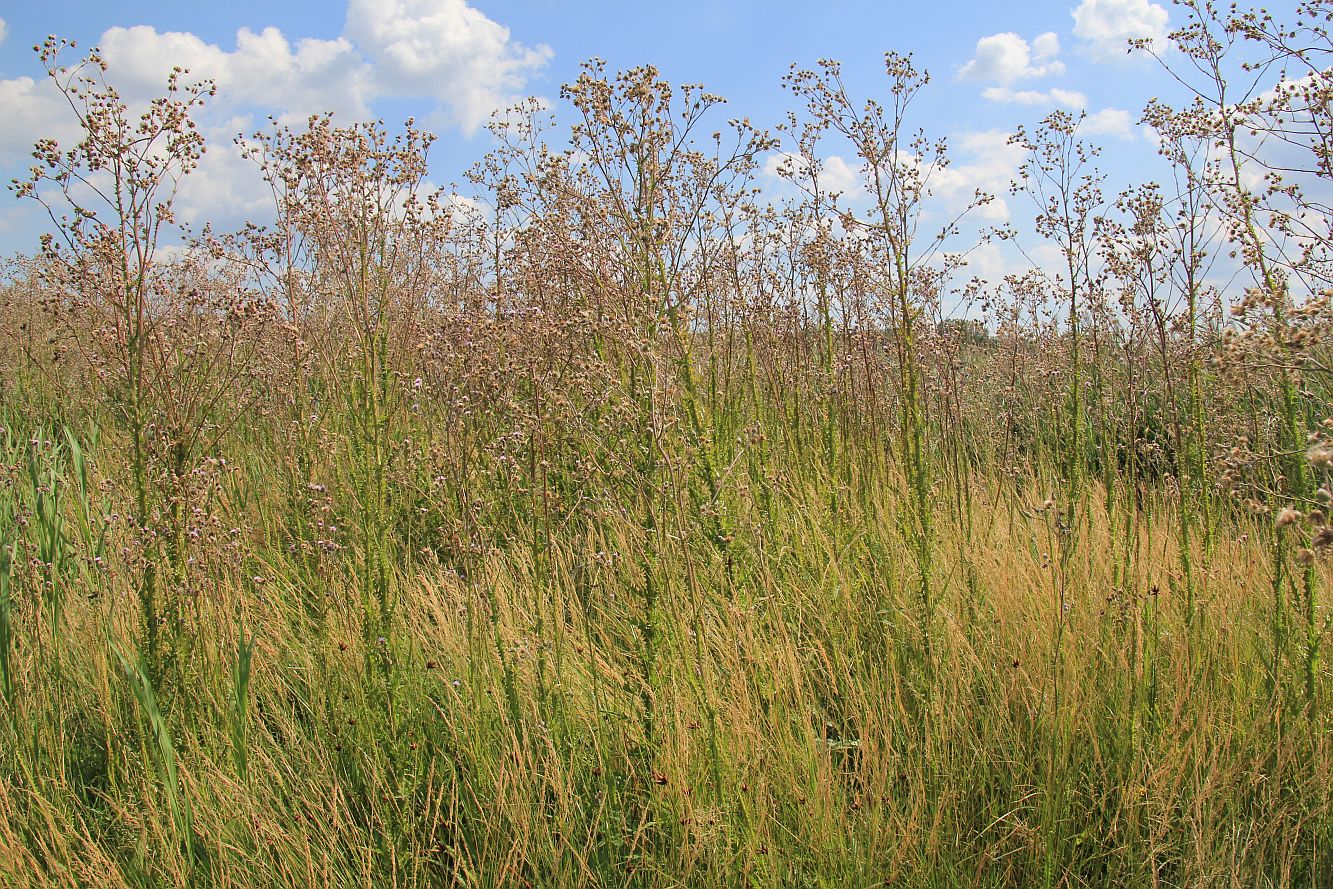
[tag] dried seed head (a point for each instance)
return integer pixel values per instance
(1320, 455)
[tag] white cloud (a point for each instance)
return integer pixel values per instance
(988, 262)
(1048, 257)
(4, 30)
(264, 70)
(1106, 25)
(465, 64)
(31, 110)
(1045, 47)
(226, 189)
(1007, 57)
(840, 175)
(994, 260)
(442, 50)
(446, 50)
(989, 164)
(1056, 96)
(1114, 122)
(835, 173)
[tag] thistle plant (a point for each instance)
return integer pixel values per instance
(897, 167)
(110, 199)
(617, 523)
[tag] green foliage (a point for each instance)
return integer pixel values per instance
(627, 533)
(161, 750)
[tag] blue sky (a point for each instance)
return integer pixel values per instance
(450, 62)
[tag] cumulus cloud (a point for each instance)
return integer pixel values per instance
(989, 262)
(1045, 47)
(1106, 25)
(983, 160)
(464, 64)
(988, 163)
(1005, 58)
(265, 70)
(1052, 97)
(32, 110)
(1113, 122)
(835, 173)
(226, 188)
(444, 50)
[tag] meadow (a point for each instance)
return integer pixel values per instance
(619, 526)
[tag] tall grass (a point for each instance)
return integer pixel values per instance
(789, 745)
(627, 531)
